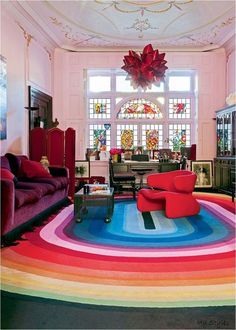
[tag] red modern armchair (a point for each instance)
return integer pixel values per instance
(172, 192)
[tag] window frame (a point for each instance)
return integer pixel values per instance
(152, 96)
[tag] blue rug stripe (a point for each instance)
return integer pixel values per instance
(149, 230)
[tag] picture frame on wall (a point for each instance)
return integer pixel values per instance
(82, 169)
(203, 170)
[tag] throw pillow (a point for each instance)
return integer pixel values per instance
(6, 174)
(33, 169)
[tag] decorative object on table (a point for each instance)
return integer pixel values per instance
(165, 154)
(155, 154)
(92, 154)
(55, 123)
(82, 169)
(116, 154)
(104, 155)
(203, 170)
(231, 99)
(128, 154)
(45, 162)
(145, 69)
(138, 150)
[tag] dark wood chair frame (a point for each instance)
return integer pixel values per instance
(122, 182)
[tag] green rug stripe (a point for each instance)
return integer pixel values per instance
(148, 221)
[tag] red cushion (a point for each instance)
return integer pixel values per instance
(32, 169)
(6, 174)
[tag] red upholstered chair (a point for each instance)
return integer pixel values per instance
(173, 194)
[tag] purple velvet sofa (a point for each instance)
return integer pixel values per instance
(24, 200)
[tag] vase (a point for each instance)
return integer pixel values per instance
(115, 158)
(44, 161)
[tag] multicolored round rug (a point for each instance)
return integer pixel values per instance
(134, 261)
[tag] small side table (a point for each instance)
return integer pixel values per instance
(98, 198)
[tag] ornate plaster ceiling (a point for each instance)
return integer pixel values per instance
(115, 24)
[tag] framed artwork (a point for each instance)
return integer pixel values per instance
(128, 154)
(82, 169)
(3, 98)
(203, 170)
(155, 154)
(92, 154)
(138, 150)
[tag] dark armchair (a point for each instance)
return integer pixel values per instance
(122, 182)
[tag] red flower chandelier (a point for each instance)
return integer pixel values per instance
(145, 69)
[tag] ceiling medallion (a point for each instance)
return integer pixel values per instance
(146, 68)
(155, 6)
(141, 25)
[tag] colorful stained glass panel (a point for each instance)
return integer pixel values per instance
(179, 136)
(179, 108)
(99, 108)
(99, 137)
(127, 136)
(139, 109)
(152, 138)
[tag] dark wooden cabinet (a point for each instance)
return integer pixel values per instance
(224, 163)
(40, 109)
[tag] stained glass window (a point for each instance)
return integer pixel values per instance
(100, 137)
(127, 136)
(179, 108)
(152, 136)
(139, 109)
(158, 118)
(179, 136)
(99, 108)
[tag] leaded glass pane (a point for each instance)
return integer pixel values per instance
(99, 84)
(152, 137)
(123, 85)
(100, 137)
(99, 108)
(127, 136)
(139, 109)
(179, 136)
(179, 84)
(179, 108)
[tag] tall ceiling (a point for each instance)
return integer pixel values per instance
(198, 25)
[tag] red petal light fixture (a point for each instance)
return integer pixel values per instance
(145, 69)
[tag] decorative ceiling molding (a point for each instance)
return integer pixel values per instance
(142, 7)
(28, 37)
(141, 25)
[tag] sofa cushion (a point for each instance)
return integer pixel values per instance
(25, 196)
(58, 182)
(15, 162)
(5, 163)
(6, 174)
(33, 169)
(41, 188)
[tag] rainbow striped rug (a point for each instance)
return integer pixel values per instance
(185, 262)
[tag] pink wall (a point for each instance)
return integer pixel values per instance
(25, 66)
(230, 66)
(69, 101)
